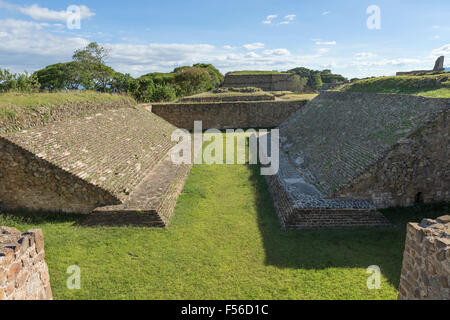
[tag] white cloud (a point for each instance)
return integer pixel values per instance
(44, 14)
(270, 18)
(253, 46)
(326, 43)
(442, 51)
(325, 13)
(286, 20)
(290, 17)
(277, 52)
(365, 55)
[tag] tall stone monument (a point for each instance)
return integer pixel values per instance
(439, 65)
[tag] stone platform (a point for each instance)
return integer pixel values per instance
(300, 205)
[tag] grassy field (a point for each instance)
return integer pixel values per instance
(433, 86)
(224, 243)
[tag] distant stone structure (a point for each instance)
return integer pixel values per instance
(426, 262)
(266, 82)
(438, 67)
(23, 271)
(226, 115)
(344, 155)
(113, 163)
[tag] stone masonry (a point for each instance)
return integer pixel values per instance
(83, 164)
(224, 115)
(344, 155)
(426, 263)
(266, 82)
(23, 271)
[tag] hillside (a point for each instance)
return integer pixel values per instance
(22, 110)
(433, 86)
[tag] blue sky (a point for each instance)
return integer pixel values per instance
(148, 36)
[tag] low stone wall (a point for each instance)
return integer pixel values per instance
(267, 82)
(23, 271)
(262, 114)
(426, 263)
(231, 98)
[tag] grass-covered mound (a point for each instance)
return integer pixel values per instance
(22, 110)
(434, 86)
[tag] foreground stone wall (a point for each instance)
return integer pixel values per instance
(267, 82)
(262, 114)
(23, 271)
(426, 263)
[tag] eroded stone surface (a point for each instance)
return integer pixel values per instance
(426, 262)
(23, 271)
(80, 164)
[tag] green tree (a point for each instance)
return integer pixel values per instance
(192, 80)
(92, 70)
(163, 93)
(316, 81)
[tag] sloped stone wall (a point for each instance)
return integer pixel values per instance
(387, 148)
(81, 164)
(261, 114)
(416, 170)
(23, 271)
(426, 263)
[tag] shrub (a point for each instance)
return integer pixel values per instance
(164, 93)
(192, 80)
(23, 82)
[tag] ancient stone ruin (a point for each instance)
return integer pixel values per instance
(266, 82)
(224, 115)
(438, 67)
(426, 263)
(115, 164)
(23, 271)
(344, 155)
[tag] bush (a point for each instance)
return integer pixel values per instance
(192, 80)
(316, 81)
(164, 93)
(23, 82)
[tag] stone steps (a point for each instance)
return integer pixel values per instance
(151, 204)
(300, 205)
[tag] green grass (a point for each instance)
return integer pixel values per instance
(424, 85)
(225, 242)
(254, 72)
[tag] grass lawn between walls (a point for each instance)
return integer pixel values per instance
(225, 242)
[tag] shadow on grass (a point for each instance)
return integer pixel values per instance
(337, 248)
(40, 217)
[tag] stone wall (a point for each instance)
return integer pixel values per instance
(228, 98)
(23, 271)
(388, 148)
(426, 263)
(267, 82)
(415, 170)
(262, 114)
(81, 164)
